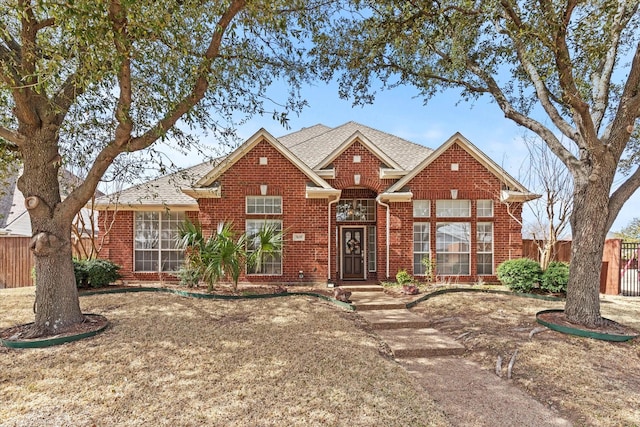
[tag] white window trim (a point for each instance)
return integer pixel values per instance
(451, 201)
(372, 259)
(266, 221)
(159, 249)
(246, 205)
(423, 202)
(492, 249)
(478, 208)
(465, 253)
(413, 241)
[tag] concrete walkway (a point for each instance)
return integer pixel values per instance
(468, 394)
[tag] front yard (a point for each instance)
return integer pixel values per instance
(168, 360)
(590, 382)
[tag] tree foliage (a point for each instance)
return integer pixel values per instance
(631, 232)
(568, 71)
(88, 84)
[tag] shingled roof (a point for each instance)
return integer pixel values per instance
(311, 145)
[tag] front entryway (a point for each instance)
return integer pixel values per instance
(352, 243)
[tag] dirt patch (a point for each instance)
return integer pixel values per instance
(588, 381)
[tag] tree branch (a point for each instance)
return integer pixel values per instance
(11, 136)
(123, 47)
(570, 92)
(200, 87)
(66, 96)
(544, 94)
(621, 128)
(510, 112)
(601, 81)
(621, 195)
(81, 194)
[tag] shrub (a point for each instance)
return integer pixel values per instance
(95, 273)
(189, 276)
(555, 277)
(520, 275)
(403, 278)
(429, 268)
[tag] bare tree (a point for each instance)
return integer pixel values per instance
(546, 175)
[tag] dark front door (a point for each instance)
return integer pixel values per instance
(352, 253)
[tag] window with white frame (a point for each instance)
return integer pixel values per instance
(421, 246)
(453, 246)
(271, 264)
(484, 245)
(269, 205)
(351, 210)
(154, 239)
(371, 248)
(485, 208)
(421, 208)
(453, 208)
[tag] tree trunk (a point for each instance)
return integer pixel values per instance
(589, 230)
(57, 305)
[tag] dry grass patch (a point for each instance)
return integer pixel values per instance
(590, 382)
(168, 360)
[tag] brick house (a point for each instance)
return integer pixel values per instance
(355, 204)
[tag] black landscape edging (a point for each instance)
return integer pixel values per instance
(61, 340)
(216, 296)
(49, 342)
(582, 332)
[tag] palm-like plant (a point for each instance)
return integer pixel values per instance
(223, 255)
(263, 245)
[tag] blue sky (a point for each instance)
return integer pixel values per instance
(398, 112)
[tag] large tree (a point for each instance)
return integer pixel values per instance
(88, 82)
(567, 70)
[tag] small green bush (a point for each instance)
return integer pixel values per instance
(520, 275)
(189, 276)
(555, 277)
(403, 278)
(95, 273)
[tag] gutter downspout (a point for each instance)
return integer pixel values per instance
(379, 201)
(329, 237)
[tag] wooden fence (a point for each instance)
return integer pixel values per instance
(16, 262)
(561, 252)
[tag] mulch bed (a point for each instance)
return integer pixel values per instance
(91, 323)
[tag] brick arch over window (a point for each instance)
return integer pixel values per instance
(358, 193)
(368, 183)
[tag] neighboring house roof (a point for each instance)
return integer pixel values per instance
(310, 150)
(14, 218)
(7, 189)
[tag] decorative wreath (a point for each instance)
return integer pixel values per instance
(353, 245)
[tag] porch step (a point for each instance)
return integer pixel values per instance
(421, 342)
(362, 288)
(394, 319)
(374, 300)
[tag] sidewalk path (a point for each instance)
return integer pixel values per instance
(468, 394)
